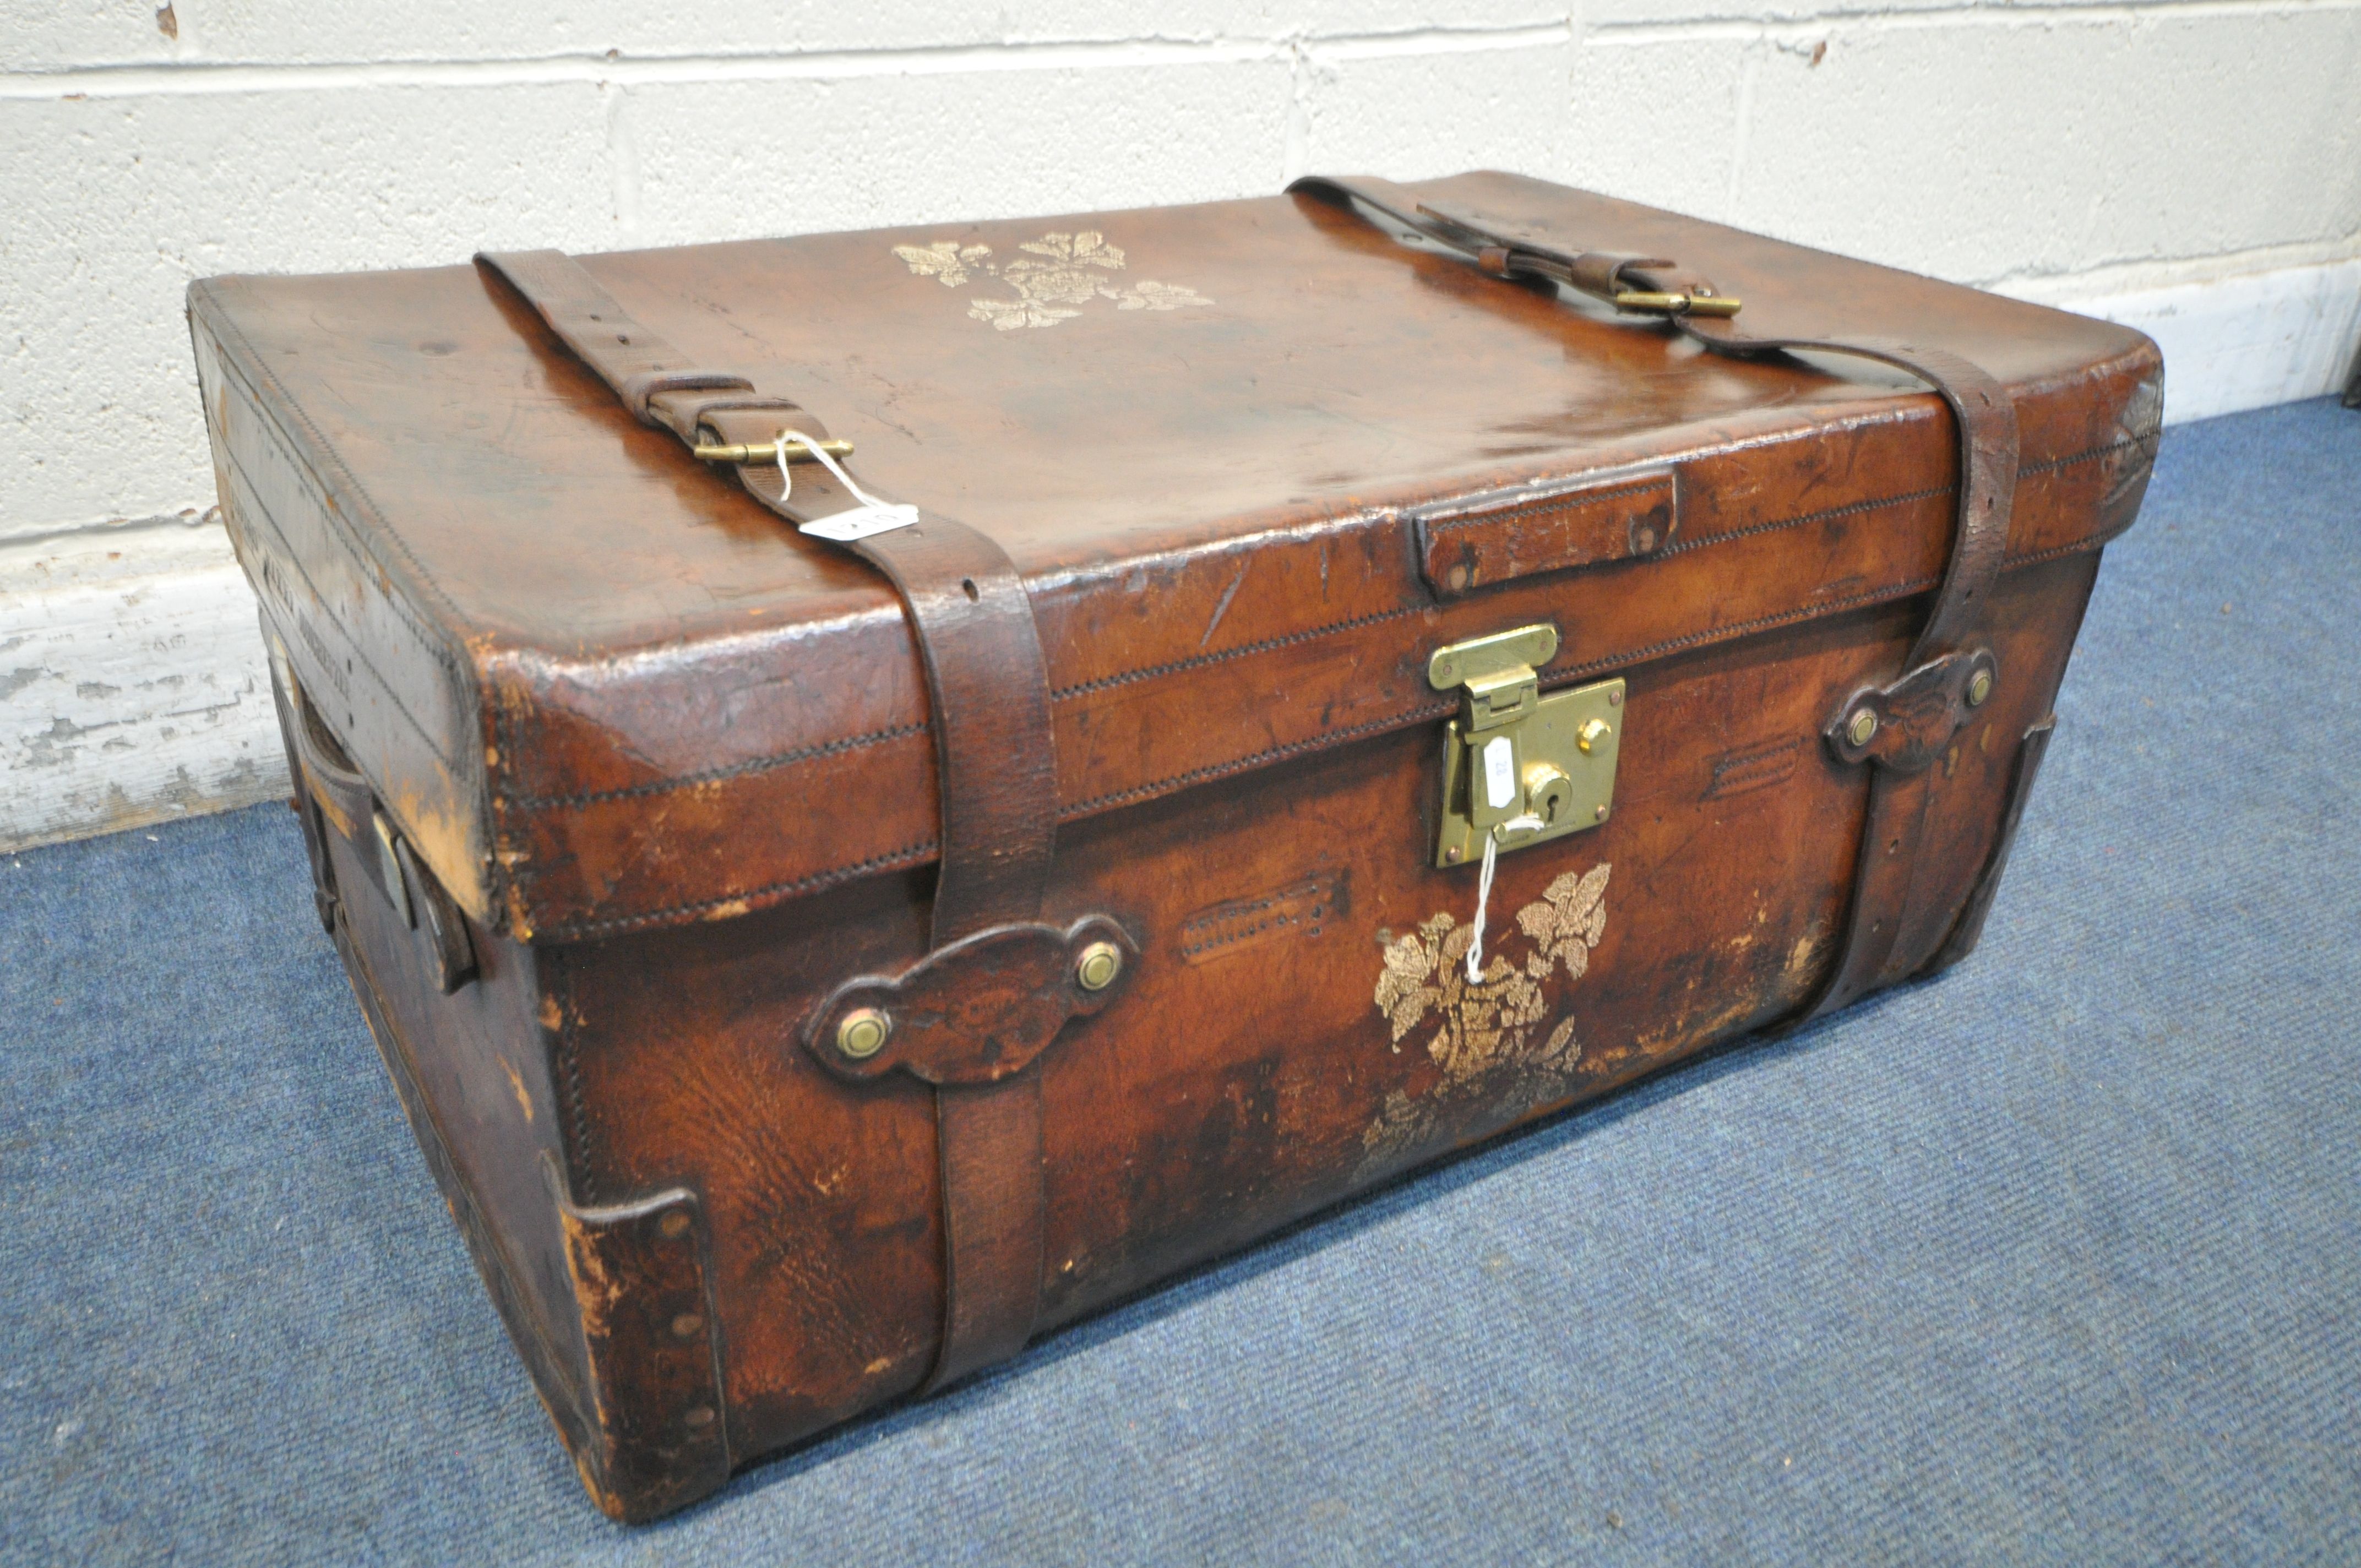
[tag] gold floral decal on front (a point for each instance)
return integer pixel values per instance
(1483, 1034)
(1057, 274)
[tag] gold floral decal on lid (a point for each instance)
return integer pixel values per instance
(1051, 280)
(1482, 1037)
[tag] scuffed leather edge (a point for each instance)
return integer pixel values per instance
(349, 517)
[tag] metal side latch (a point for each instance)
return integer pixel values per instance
(1518, 765)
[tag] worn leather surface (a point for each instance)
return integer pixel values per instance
(987, 691)
(986, 1000)
(1472, 542)
(1207, 506)
(1235, 1091)
(989, 1139)
(1250, 1078)
(684, 762)
(1922, 705)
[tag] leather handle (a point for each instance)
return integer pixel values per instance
(335, 784)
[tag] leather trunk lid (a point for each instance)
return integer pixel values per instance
(1229, 448)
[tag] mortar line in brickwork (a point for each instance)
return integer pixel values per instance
(1859, 19)
(753, 65)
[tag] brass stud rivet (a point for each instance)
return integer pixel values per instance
(700, 1419)
(862, 1032)
(675, 1224)
(1980, 687)
(686, 1325)
(1615, 698)
(1452, 854)
(1601, 813)
(1098, 966)
(1863, 728)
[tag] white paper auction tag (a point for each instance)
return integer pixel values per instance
(1499, 772)
(860, 522)
(870, 518)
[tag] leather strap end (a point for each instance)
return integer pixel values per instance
(637, 391)
(1378, 195)
(1600, 272)
(989, 1136)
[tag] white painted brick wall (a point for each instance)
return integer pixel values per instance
(2194, 168)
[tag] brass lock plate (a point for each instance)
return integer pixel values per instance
(1518, 766)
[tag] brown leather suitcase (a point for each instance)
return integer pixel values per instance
(1262, 695)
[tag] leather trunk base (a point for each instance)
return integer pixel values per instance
(1296, 1031)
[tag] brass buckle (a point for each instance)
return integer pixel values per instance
(1679, 304)
(798, 451)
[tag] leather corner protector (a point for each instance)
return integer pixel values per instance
(659, 1435)
(976, 1011)
(1915, 718)
(1481, 541)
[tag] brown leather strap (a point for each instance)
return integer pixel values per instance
(988, 692)
(988, 1137)
(1968, 929)
(1895, 891)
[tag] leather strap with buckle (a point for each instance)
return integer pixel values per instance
(988, 694)
(1897, 730)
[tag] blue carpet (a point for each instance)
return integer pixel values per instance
(2057, 1259)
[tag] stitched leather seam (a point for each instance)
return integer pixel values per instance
(1745, 628)
(577, 1107)
(1564, 502)
(2078, 547)
(714, 775)
(1223, 770)
(2052, 464)
(893, 859)
(1150, 671)
(915, 854)
(1680, 545)
(1104, 682)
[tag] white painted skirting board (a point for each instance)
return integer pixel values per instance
(132, 682)
(2243, 341)
(133, 675)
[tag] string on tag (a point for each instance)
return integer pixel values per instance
(872, 515)
(1484, 890)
